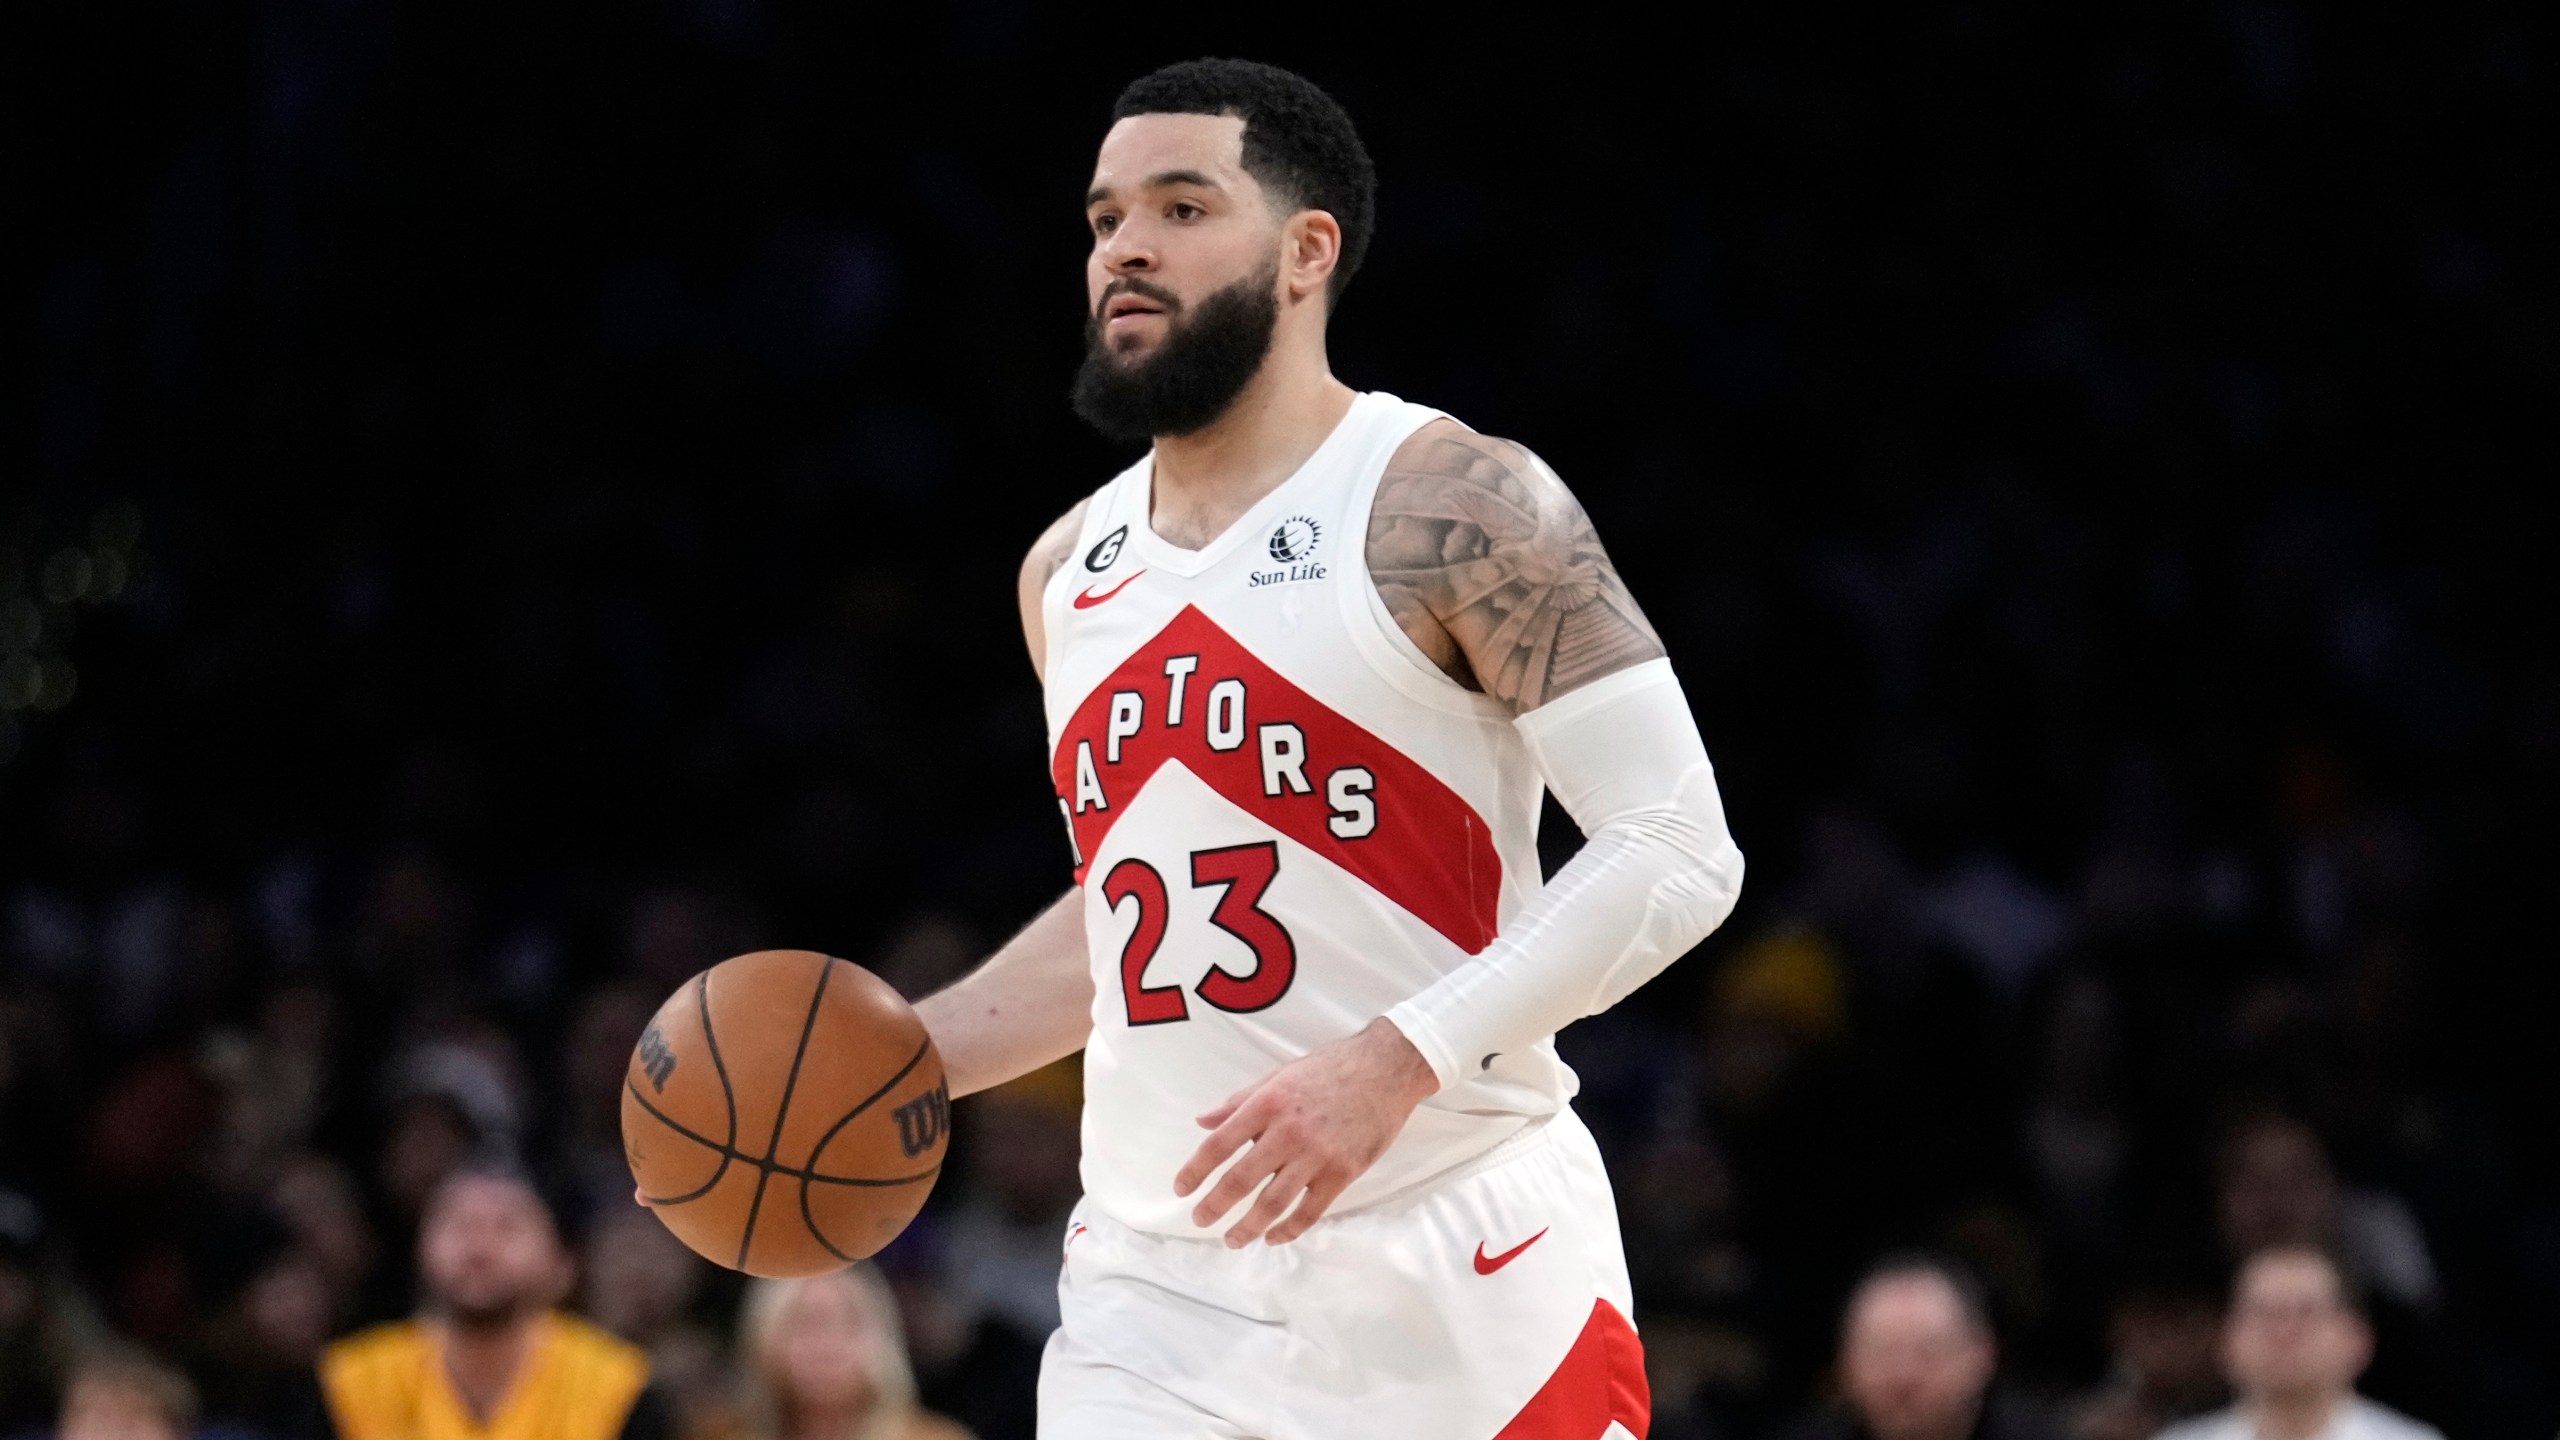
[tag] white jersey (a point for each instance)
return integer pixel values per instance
(1286, 820)
(2357, 1419)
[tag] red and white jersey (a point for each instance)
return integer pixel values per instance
(1286, 820)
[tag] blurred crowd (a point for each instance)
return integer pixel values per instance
(225, 1111)
(501, 507)
(234, 1201)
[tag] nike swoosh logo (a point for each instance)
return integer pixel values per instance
(1092, 597)
(1486, 1265)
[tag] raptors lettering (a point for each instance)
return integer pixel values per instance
(1193, 697)
(1280, 746)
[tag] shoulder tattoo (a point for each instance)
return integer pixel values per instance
(1487, 560)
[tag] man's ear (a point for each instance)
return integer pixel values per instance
(1311, 246)
(1990, 1358)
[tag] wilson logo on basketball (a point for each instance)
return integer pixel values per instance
(922, 1120)
(658, 1060)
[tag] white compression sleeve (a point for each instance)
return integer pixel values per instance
(1657, 872)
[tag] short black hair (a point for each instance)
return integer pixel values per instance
(494, 1166)
(2355, 1294)
(1298, 142)
(1972, 1297)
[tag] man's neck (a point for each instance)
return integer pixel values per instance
(483, 1361)
(2294, 1417)
(1952, 1427)
(831, 1422)
(1206, 479)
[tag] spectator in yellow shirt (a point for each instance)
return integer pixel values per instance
(491, 1357)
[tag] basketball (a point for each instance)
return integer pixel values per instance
(784, 1113)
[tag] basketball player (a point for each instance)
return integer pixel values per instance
(1308, 663)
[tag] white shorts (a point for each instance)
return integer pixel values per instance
(1491, 1304)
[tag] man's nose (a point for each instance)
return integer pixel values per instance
(1128, 250)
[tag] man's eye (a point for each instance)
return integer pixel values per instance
(1105, 224)
(1185, 210)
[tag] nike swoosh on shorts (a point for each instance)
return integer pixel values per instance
(1487, 1265)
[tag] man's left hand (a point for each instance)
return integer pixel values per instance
(1314, 1125)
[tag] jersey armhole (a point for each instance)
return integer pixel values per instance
(1099, 507)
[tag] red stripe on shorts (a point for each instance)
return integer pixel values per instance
(1601, 1379)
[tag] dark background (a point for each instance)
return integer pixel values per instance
(502, 505)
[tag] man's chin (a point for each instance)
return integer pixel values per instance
(485, 1315)
(1127, 353)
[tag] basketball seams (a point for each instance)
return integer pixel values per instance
(726, 1153)
(809, 1218)
(782, 1109)
(816, 1232)
(865, 1182)
(730, 1153)
(872, 1099)
(875, 1205)
(728, 1093)
(727, 1149)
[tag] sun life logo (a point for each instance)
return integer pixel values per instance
(1295, 539)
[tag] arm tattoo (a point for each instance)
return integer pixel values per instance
(1490, 564)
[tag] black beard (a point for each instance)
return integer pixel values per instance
(1198, 369)
(482, 1319)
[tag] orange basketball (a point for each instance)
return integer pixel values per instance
(785, 1113)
